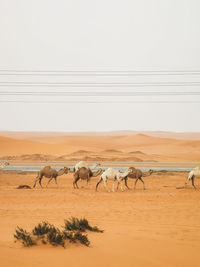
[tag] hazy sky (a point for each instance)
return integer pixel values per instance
(100, 35)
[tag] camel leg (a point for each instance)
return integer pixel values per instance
(40, 180)
(35, 183)
(117, 186)
(105, 185)
(120, 182)
(75, 182)
(56, 180)
(186, 182)
(88, 182)
(193, 182)
(135, 183)
(125, 183)
(100, 180)
(126, 179)
(114, 185)
(37, 179)
(143, 183)
(49, 181)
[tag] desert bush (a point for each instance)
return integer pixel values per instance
(81, 225)
(69, 235)
(83, 239)
(48, 233)
(42, 228)
(55, 237)
(23, 236)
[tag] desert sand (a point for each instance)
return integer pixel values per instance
(126, 148)
(155, 227)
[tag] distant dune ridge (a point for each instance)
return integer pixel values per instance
(162, 134)
(96, 147)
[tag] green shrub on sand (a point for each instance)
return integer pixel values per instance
(48, 233)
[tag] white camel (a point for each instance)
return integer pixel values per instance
(195, 173)
(85, 164)
(3, 164)
(112, 174)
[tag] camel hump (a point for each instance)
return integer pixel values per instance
(84, 169)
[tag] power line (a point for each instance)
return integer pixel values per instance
(100, 102)
(97, 84)
(99, 93)
(102, 71)
(98, 72)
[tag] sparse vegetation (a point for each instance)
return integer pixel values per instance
(48, 233)
(55, 237)
(75, 224)
(42, 229)
(24, 237)
(83, 239)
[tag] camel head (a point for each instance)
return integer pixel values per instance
(150, 171)
(98, 164)
(99, 172)
(66, 170)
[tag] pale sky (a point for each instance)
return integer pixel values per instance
(123, 35)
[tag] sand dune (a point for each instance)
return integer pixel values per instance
(37, 136)
(137, 147)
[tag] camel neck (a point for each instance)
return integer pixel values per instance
(61, 172)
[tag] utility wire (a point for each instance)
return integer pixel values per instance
(103, 71)
(98, 72)
(97, 84)
(98, 93)
(100, 102)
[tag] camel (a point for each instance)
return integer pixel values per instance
(85, 174)
(3, 164)
(136, 174)
(50, 173)
(195, 173)
(113, 174)
(85, 164)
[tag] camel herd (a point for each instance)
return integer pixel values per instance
(83, 171)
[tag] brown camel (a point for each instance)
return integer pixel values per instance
(50, 173)
(85, 174)
(136, 174)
